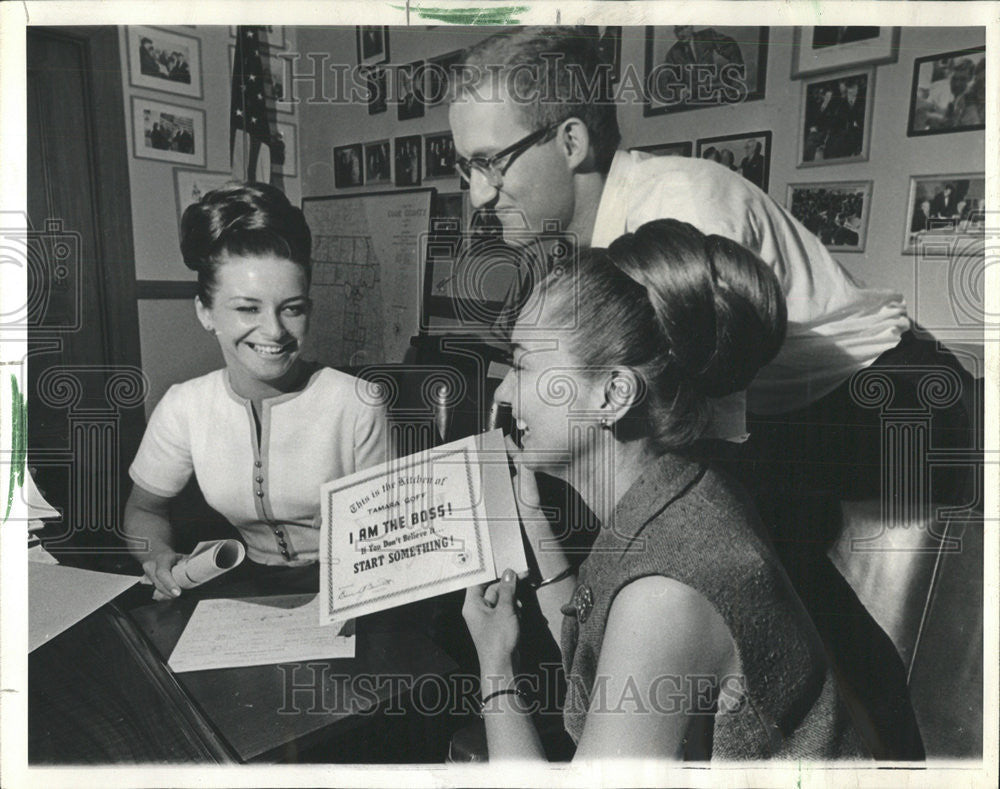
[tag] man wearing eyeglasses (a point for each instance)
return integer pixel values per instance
(537, 141)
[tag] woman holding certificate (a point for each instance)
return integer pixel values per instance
(681, 635)
(262, 434)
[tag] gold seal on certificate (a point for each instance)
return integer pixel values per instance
(418, 526)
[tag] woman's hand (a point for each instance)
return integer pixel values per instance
(157, 570)
(491, 615)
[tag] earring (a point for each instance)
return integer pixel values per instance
(605, 423)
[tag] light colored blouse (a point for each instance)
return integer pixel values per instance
(268, 490)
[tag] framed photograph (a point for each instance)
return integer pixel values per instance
(277, 72)
(162, 60)
(469, 268)
(373, 44)
(836, 118)
(167, 132)
(609, 48)
(816, 50)
(410, 90)
(439, 155)
(348, 166)
(438, 75)
(407, 160)
(948, 93)
(667, 149)
(376, 82)
(275, 35)
(689, 68)
(943, 207)
(191, 185)
(748, 154)
(378, 163)
(836, 213)
(287, 134)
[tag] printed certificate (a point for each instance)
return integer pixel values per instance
(417, 527)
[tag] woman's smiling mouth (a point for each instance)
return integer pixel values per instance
(270, 350)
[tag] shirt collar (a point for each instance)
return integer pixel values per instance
(612, 212)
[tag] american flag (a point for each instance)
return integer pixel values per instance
(252, 107)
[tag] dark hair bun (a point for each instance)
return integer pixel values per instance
(243, 219)
(719, 306)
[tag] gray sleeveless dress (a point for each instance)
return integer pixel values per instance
(687, 522)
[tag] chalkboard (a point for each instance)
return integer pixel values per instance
(368, 263)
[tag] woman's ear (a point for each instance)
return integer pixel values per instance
(204, 315)
(574, 141)
(622, 391)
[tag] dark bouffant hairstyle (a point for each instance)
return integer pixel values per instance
(558, 71)
(694, 316)
(243, 220)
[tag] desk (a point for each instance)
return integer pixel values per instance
(101, 693)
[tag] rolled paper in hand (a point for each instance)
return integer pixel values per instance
(208, 560)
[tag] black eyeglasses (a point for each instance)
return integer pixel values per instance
(492, 168)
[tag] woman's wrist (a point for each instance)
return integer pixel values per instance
(496, 675)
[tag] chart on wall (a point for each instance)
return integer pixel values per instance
(368, 252)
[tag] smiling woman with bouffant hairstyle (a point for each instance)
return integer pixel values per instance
(263, 433)
(681, 635)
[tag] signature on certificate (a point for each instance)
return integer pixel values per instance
(348, 592)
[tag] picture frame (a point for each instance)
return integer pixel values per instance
(747, 153)
(936, 216)
(372, 43)
(685, 148)
(361, 239)
(275, 35)
(406, 160)
(688, 68)
(469, 268)
(191, 185)
(410, 90)
(609, 49)
(278, 73)
(288, 132)
(348, 166)
(439, 155)
(377, 82)
(438, 74)
(836, 212)
(948, 93)
(818, 50)
(378, 163)
(164, 61)
(168, 132)
(835, 118)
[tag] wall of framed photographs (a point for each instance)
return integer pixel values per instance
(177, 82)
(896, 149)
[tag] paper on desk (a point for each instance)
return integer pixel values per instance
(60, 596)
(38, 507)
(257, 631)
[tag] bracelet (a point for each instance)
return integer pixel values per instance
(514, 691)
(554, 579)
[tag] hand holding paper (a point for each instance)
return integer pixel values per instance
(208, 560)
(419, 526)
